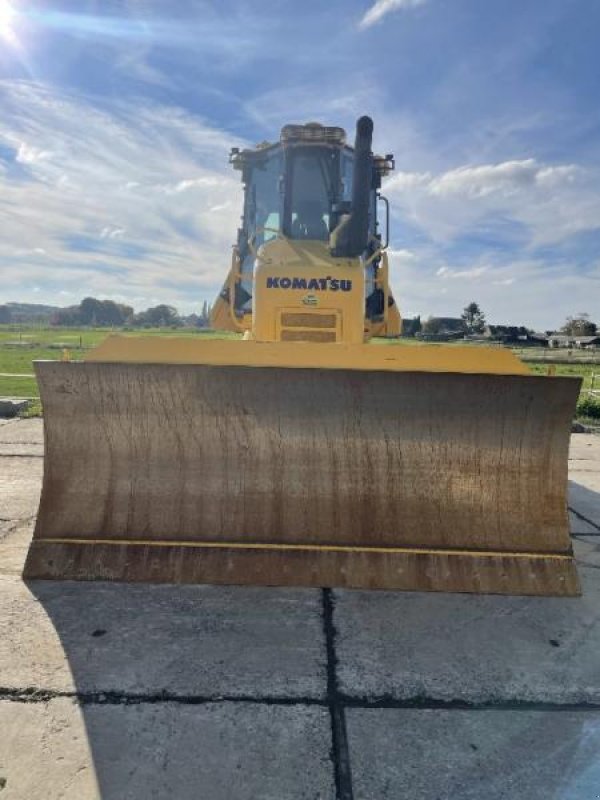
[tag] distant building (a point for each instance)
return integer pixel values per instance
(442, 329)
(572, 340)
(515, 335)
(506, 333)
(587, 341)
(539, 339)
(411, 326)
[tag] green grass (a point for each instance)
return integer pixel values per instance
(20, 346)
(570, 370)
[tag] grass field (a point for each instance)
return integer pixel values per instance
(583, 370)
(19, 347)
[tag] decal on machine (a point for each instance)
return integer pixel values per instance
(312, 284)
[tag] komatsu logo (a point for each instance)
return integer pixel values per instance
(311, 284)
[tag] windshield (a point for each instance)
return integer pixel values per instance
(263, 198)
(313, 186)
(262, 217)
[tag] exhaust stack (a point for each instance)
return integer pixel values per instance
(353, 236)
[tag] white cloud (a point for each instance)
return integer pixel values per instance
(505, 282)
(137, 202)
(29, 251)
(506, 179)
(475, 233)
(402, 255)
(550, 202)
(464, 274)
(28, 154)
(519, 291)
(382, 7)
(190, 183)
(111, 233)
(336, 103)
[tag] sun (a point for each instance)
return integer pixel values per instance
(7, 18)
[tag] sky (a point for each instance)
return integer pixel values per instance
(116, 120)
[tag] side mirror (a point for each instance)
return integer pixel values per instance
(343, 207)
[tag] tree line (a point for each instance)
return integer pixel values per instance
(471, 321)
(106, 313)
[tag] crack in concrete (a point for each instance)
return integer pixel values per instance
(21, 455)
(27, 442)
(31, 694)
(14, 525)
(340, 753)
(583, 563)
(584, 519)
(426, 702)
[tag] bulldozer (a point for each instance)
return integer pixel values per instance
(306, 451)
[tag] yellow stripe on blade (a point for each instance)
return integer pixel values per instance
(306, 547)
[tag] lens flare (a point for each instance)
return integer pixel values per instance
(7, 19)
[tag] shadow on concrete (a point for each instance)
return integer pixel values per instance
(193, 691)
(585, 503)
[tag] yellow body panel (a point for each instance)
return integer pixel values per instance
(297, 355)
(302, 277)
(222, 315)
(391, 324)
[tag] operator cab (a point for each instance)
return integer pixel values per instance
(301, 188)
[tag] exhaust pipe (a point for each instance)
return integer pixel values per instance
(353, 235)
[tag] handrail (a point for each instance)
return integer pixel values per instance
(387, 218)
(251, 239)
(234, 276)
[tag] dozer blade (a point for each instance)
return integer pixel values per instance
(315, 477)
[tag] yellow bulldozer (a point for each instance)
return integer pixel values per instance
(300, 453)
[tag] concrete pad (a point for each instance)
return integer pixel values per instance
(193, 640)
(15, 538)
(30, 431)
(20, 486)
(584, 496)
(145, 639)
(219, 751)
(21, 468)
(471, 755)
(579, 526)
(582, 444)
(21, 444)
(588, 554)
(584, 475)
(15, 449)
(476, 649)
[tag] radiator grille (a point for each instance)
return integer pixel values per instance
(307, 320)
(291, 335)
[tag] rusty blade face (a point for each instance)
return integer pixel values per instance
(305, 476)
